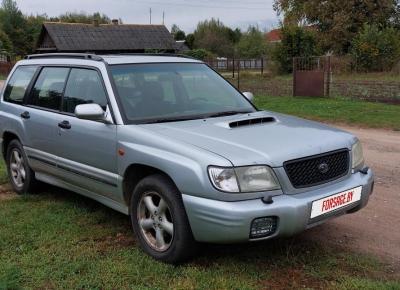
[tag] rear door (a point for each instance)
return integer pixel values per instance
(87, 149)
(41, 115)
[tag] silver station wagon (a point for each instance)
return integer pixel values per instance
(167, 141)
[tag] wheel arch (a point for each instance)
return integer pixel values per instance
(134, 174)
(8, 136)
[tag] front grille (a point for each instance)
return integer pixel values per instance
(317, 169)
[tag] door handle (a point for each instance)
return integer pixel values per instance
(25, 115)
(64, 125)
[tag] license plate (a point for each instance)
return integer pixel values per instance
(336, 201)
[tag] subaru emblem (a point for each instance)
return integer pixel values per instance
(323, 168)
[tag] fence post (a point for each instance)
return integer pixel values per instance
(238, 76)
(233, 67)
(294, 77)
(262, 66)
(328, 84)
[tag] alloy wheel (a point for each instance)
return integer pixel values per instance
(17, 168)
(155, 221)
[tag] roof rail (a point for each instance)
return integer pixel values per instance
(152, 54)
(88, 56)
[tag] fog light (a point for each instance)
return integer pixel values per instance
(263, 227)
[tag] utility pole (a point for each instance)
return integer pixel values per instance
(163, 17)
(150, 15)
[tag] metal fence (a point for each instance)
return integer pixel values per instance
(311, 76)
(6, 63)
(234, 65)
(6, 67)
(323, 76)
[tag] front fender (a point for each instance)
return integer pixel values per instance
(185, 164)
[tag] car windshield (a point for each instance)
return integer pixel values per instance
(165, 92)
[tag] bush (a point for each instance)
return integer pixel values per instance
(296, 42)
(214, 36)
(376, 49)
(200, 53)
(252, 44)
(5, 42)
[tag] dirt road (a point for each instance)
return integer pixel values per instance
(376, 228)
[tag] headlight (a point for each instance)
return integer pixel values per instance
(357, 155)
(243, 179)
(224, 179)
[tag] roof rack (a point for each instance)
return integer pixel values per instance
(168, 54)
(88, 56)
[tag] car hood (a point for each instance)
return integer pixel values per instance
(257, 138)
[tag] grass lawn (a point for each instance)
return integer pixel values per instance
(335, 110)
(57, 239)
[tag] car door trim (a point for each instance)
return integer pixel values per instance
(87, 175)
(42, 160)
(33, 154)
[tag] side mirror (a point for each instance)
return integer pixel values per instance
(249, 96)
(91, 112)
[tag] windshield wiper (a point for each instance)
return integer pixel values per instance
(195, 117)
(227, 113)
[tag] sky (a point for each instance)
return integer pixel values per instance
(185, 13)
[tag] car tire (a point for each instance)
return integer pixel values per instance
(21, 176)
(159, 220)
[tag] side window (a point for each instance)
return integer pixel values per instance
(84, 86)
(18, 84)
(48, 89)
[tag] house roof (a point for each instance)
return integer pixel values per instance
(106, 37)
(181, 46)
(274, 35)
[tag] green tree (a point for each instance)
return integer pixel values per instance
(376, 49)
(5, 43)
(82, 17)
(200, 53)
(20, 32)
(252, 44)
(14, 24)
(34, 26)
(215, 37)
(177, 32)
(190, 40)
(296, 42)
(339, 21)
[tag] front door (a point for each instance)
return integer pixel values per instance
(87, 149)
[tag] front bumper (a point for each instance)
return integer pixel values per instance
(229, 222)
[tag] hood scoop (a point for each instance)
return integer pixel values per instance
(251, 122)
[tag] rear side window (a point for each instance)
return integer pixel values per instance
(19, 81)
(48, 89)
(84, 86)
